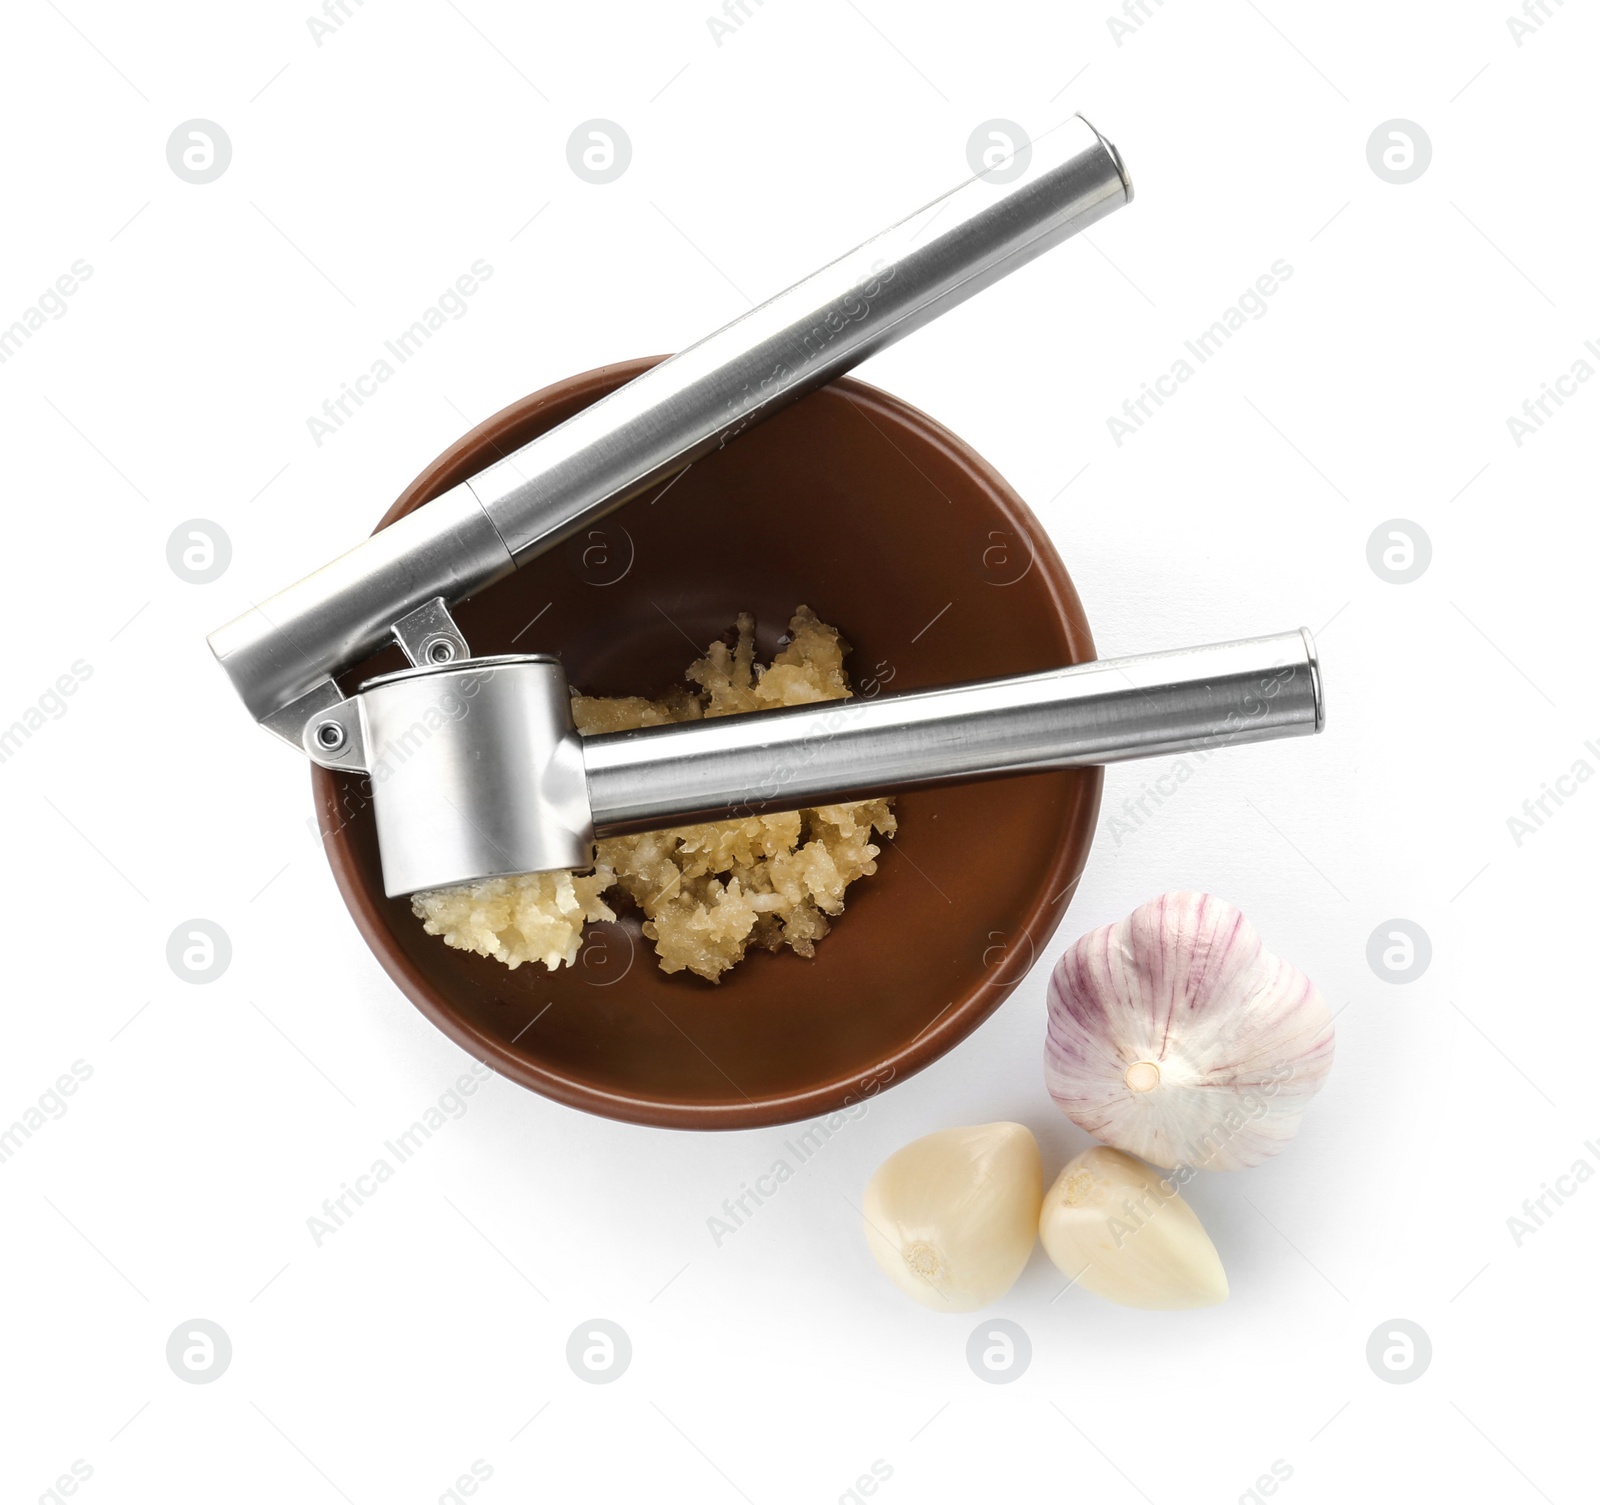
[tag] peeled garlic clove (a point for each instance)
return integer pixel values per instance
(1177, 1036)
(1122, 1231)
(951, 1218)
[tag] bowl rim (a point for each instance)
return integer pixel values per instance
(960, 1019)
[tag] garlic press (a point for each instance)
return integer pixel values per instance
(476, 768)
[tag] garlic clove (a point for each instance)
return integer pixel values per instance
(1177, 1036)
(951, 1218)
(1120, 1230)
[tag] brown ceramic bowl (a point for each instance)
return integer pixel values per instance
(890, 528)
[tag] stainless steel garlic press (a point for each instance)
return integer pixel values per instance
(494, 779)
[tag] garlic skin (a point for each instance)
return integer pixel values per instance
(951, 1218)
(1177, 1036)
(1118, 1229)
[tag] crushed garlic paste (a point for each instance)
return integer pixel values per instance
(707, 892)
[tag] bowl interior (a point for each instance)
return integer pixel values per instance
(867, 511)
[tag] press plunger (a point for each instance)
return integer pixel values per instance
(478, 772)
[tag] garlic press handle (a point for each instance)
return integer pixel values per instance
(1106, 711)
(477, 771)
(282, 654)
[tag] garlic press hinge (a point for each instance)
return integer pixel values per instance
(429, 635)
(327, 724)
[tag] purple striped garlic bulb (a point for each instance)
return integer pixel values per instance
(1176, 1036)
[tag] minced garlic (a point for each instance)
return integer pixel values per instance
(707, 892)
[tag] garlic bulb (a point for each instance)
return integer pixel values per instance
(1176, 1036)
(951, 1218)
(1121, 1231)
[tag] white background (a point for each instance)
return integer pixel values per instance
(367, 174)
